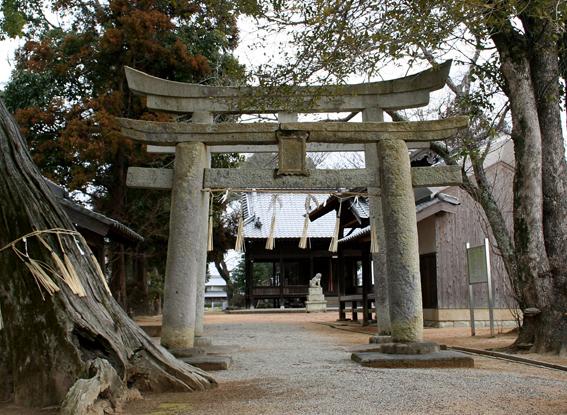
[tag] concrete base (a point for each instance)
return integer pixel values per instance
(440, 359)
(380, 339)
(201, 341)
(316, 306)
(189, 352)
(209, 362)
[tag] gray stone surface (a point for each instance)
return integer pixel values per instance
(190, 352)
(441, 359)
(315, 306)
(201, 244)
(182, 269)
(322, 179)
(379, 259)
(406, 92)
(202, 341)
(380, 339)
(398, 204)
(209, 362)
(149, 178)
(272, 148)
(171, 133)
(315, 299)
(409, 348)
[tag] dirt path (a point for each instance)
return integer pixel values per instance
(293, 364)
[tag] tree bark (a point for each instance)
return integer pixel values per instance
(544, 63)
(52, 340)
(535, 283)
(225, 274)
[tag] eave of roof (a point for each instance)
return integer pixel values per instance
(91, 220)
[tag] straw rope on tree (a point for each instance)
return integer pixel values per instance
(49, 342)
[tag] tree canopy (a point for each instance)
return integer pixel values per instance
(69, 85)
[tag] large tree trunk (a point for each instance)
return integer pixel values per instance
(544, 59)
(52, 341)
(535, 281)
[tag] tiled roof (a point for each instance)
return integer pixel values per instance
(357, 233)
(437, 198)
(360, 208)
(290, 211)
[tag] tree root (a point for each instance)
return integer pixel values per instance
(101, 394)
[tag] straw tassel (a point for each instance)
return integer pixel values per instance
(210, 232)
(239, 245)
(306, 221)
(374, 247)
(63, 268)
(73, 282)
(94, 261)
(41, 277)
(270, 240)
(334, 246)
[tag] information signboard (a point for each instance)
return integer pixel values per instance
(478, 264)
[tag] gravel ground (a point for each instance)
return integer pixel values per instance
(290, 365)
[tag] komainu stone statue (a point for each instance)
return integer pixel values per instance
(315, 300)
(315, 281)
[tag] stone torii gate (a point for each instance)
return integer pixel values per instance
(388, 175)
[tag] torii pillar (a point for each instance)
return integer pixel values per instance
(201, 219)
(379, 260)
(398, 205)
(183, 267)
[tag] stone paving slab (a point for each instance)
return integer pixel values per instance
(209, 362)
(441, 359)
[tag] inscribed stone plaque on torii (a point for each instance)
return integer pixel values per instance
(292, 155)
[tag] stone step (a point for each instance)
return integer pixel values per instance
(209, 362)
(441, 359)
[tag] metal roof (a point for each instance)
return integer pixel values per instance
(290, 213)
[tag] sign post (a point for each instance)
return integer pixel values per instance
(478, 264)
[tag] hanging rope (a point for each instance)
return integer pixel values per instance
(273, 205)
(306, 221)
(64, 268)
(334, 246)
(338, 194)
(210, 228)
(374, 246)
(94, 261)
(239, 245)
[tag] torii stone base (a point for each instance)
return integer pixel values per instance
(208, 357)
(421, 354)
(439, 359)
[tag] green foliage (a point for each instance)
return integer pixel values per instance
(238, 276)
(69, 85)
